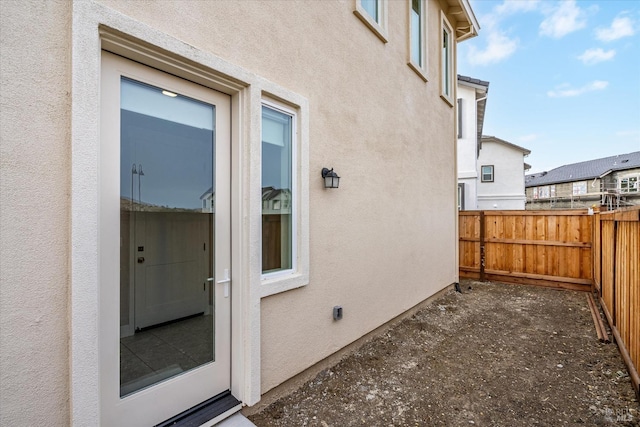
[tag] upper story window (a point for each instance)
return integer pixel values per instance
(374, 14)
(630, 184)
(278, 158)
(446, 60)
(416, 32)
(486, 173)
(417, 37)
(544, 192)
(579, 188)
(372, 7)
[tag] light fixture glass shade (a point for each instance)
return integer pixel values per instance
(331, 179)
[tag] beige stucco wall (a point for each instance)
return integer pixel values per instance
(384, 241)
(381, 243)
(34, 212)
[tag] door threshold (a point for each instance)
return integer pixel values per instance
(206, 413)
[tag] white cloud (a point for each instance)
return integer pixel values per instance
(622, 26)
(593, 56)
(560, 92)
(510, 7)
(499, 47)
(564, 19)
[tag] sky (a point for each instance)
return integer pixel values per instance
(564, 76)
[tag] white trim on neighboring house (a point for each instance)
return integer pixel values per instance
(96, 27)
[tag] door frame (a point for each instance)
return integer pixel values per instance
(164, 399)
(95, 27)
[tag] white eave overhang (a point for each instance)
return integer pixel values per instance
(467, 25)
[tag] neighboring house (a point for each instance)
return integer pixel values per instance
(208, 199)
(501, 170)
(276, 201)
(611, 182)
(472, 101)
(127, 303)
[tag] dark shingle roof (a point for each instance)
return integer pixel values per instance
(472, 80)
(584, 170)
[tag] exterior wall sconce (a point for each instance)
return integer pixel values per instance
(331, 179)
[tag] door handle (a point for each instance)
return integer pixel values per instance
(226, 282)
(140, 259)
(211, 279)
(226, 279)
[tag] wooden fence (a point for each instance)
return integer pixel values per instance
(616, 266)
(548, 248)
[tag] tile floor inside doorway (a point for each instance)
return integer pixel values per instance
(159, 353)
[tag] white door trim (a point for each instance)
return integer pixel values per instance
(96, 27)
(181, 392)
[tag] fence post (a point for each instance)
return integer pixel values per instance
(613, 269)
(482, 253)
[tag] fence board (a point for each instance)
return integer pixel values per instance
(617, 280)
(567, 250)
(529, 246)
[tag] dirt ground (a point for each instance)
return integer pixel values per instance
(495, 355)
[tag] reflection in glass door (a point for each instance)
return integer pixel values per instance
(167, 198)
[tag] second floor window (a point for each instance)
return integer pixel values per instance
(447, 60)
(416, 32)
(372, 8)
(487, 173)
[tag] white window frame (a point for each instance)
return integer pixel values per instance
(294, 187)
(378, 26)
(579, 188)
(421, 68)
(630, 187)
(482, 173)
(446, 64)
(298, 275)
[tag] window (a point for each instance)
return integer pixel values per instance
(461, 196)
(579, 188)
(487, 173)
(417, 37)
(371, 6)
(546, 192)
(278, 158)
(459, 117)
(374, 14)
(446, 59)
(630, 184)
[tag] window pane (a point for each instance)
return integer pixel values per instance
(487, 173)
(446, 79)
(277, 225)
(371, 6)
(416, 30)
(167, 151)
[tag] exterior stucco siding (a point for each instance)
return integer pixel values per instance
(380, 244)
(34, 207)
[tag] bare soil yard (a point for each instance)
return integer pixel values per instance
(495, 355)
